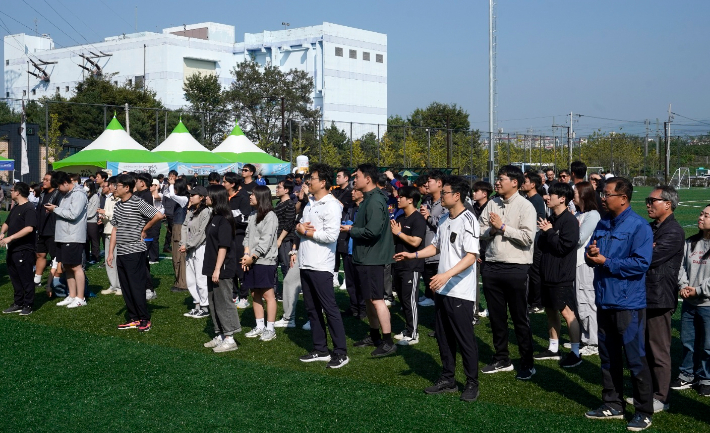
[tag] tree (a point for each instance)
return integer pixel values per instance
(329, 154)
(438, 115)
(53, 141)
(204, 93)
(255, 98)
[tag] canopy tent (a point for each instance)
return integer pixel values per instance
(408, 173)
(237, 142)
(238, 148)
(180, 140)
(114, 144)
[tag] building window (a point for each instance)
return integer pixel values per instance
(353, 54)
(379, 58)
(7, 63)
(34, 91)
(66, 88)
(130, 82)
(115, 83)
(57, 89)
(24, 93)
(338, 52)
(366, 56)
(7, 94)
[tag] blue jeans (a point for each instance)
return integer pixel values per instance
(695, 336)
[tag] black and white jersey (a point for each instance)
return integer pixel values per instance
(129, 219)
(455, 238)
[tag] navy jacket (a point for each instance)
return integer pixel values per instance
(662, 275)
(627, 243)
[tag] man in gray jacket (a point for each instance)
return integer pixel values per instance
(70, 236)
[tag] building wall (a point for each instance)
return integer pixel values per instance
(346, 90)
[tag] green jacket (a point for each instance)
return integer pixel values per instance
(371, 233)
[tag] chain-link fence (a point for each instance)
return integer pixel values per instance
(347, 144)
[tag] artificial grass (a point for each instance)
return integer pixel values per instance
(72, 370)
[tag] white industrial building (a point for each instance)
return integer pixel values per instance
(348, 65)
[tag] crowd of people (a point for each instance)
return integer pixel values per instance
(562, 245)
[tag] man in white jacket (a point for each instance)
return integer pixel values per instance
(319, 229)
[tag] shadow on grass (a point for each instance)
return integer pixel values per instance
(682, 404)
(552, 379)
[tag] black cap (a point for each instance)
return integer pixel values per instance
(199, 190)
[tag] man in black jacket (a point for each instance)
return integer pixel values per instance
(344, 194)
(557, 243)
(662, 289)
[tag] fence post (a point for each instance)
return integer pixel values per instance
(46, 135)
(351, 144)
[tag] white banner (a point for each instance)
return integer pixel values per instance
(24, 163)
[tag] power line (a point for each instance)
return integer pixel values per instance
(118, 15)
(49, 21)
(613, 120)
(81, 21)
(680, 115)
(70, 25)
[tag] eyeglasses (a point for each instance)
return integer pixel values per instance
(651, 200)
(604, 195)
(595, 179)
(501, 179)
(446, 192)
(246, 169)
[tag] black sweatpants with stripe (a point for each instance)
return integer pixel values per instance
(133, 284)
(454, 330)
(404, 283)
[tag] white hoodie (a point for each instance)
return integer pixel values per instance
(318, 253)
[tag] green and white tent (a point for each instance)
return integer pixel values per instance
(114, 144)
(238, 148)
(181, 146)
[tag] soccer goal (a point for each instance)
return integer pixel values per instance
(681, 178)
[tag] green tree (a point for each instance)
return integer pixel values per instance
(329, 154)
(54, 142)
(255, 98)
(440, 116)
(205, 95)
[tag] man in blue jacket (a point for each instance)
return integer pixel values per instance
(620, 251)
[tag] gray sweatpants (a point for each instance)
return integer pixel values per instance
(222, 309)
(586, 306)
(112, 271)
(292, 287)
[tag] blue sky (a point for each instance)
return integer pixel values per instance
(624, 60)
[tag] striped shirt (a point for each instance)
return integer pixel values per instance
(129, 218)
(286, 213)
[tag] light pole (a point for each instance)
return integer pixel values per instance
(428, 147)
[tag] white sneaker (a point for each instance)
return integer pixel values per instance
(68, 300)
(150, 295)
(108, 291)
(118, 292)
(242, 304)
(589, 350)
(399, 336)
(216, 341)
(343, 287)
(567, 345)
(255, 332)
(307, 326)
(408, 341)
(428, 302)
(192, 312)
(388, 303)
(225, 347)
(78, 302)
(267, 335)
(336, 282)
(283, 323)
(483, 313)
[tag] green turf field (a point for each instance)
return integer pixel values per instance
(72, 370)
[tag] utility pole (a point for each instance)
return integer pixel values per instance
(448, 143)
(492, 46)
(667, 132)
(128, 121)
(283, 126)
(658, 143)
(570, 136)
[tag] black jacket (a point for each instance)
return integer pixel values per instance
(662, 275)
(558, 250)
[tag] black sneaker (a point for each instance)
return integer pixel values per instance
(316, 356)
(441, 386)
(26, 311)
(681, 384)
(384, 349)
(639, 422)
(177, 289)
(14, 308)
(470, 393)
(367, 341)
(571, 360)
(547, 354)
(525, 373)
(704, 390)
(605, 412)
(497, 367)
(337, 360)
